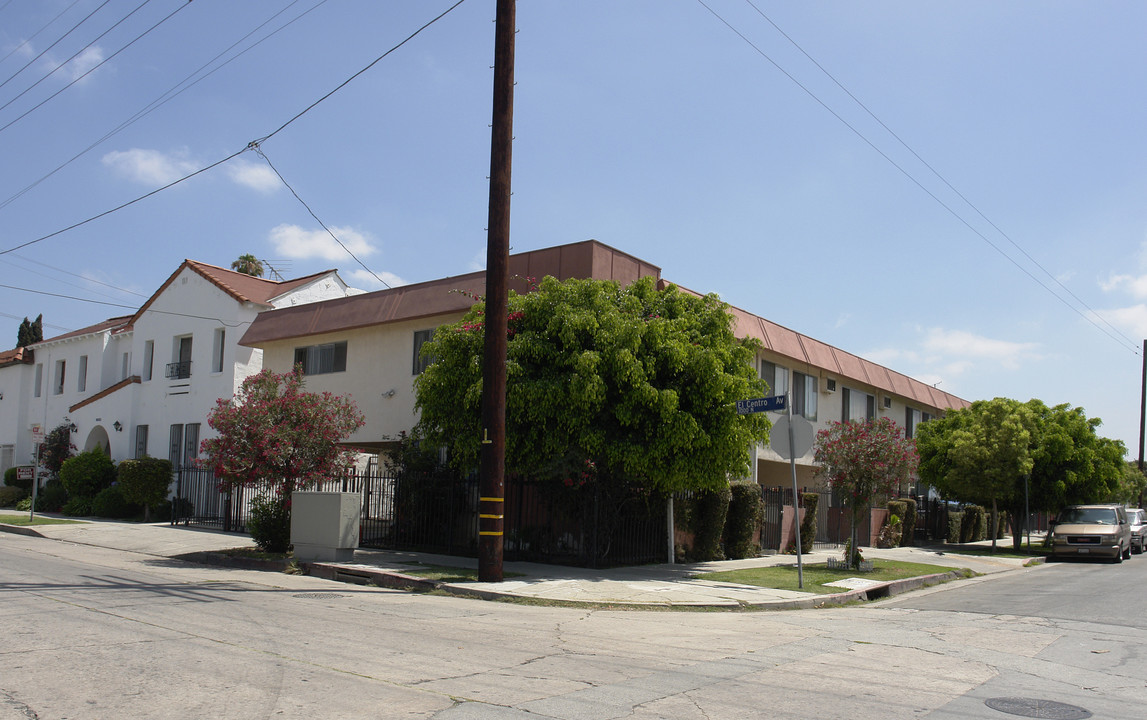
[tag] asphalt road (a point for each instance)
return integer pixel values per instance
(95, 633)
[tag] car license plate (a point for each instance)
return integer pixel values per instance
(1083, 551)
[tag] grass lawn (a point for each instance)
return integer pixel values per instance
(784, 577)
(22, 519)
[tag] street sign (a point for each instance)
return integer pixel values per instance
(765, 404)
(37, 433)
(25, 472)
(802, 437)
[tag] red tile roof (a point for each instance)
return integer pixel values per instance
(112, 324)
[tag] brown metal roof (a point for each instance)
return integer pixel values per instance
(588, 259)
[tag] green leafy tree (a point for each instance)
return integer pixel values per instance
(1130, 486)
(637, 382)
(144, 481)
(248, 264)
(864, 459)
(30, 332)
(979, 454)
(975, 455)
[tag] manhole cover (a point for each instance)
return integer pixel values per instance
(322, 596)
(1035, 708)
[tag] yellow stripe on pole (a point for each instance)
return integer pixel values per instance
(491, 517)
(484, 499)
(490, 532)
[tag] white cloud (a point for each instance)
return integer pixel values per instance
(362, 279)
(1132, 319)
(478, 262)
(84, 62)
(296, 243)
(965, 347)
(1135, 285)
(150, 166)
(256, 176)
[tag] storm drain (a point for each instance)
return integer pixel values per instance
(320, 596)
(1035, 708)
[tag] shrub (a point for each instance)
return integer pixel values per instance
(746, 508)
(144, 482)
(909, 515)
(9, 495)
(11, 480)
(955, 520)
(77, 506)
(51, 497)
(24, 505)
(709, 524)
(972, 524)
(808, 524)
(889, 535)
(111, 503)
(270, 524)
(87, 473)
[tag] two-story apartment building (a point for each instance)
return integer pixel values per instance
(144, 383)
(367, 346)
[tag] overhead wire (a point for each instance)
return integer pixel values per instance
(133, 308)
(936, 172)
(258, 150)
(184, 3)
(250, 146)
(951, 211)
(57, 42)
(36, 34)
(173, 92)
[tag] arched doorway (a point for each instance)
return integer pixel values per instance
(98, 437)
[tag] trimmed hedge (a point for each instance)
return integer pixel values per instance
(144, 481)
(111, 503)
(84, 475)
(51, 497)
(955, 520)
(973, 525)
(746, 510)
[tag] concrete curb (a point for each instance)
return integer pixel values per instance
(19, 530)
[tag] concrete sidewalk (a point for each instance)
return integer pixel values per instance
(646, 586)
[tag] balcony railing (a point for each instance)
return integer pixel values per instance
(178, 370)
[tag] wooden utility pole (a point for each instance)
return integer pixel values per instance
(492, 486)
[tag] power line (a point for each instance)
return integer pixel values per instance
(133, 308)
(937, 173)
(173, 93)
(908, 175)
(275, 170)
(250, 146)
(136, 39)
(36, 34)
(58, 41)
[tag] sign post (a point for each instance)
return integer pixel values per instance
(792, 437)
(37, 448)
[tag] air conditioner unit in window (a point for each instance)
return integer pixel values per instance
(887, 401)
(829, 385)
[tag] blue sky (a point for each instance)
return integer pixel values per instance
(953, 189)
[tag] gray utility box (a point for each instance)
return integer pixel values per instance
(324, 525)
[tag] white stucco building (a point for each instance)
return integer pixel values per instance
(144, 383)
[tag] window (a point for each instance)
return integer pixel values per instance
(777, 377)
(217, 349)
(148, 359)
(126, 366)
(804, 395)
(175, 446)
(140, 441)
(421, 337)
(82, 375)
(190, 443)
(856, 405)
(911, 420)
(322, 359)
(58, 383)
(180, 367)
(39, 379)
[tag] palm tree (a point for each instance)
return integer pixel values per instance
(248, 265)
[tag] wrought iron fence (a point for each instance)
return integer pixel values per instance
(589, 525)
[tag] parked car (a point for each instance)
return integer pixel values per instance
(1092, 531)
(1137, 518)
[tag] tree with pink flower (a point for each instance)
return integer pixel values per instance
(864, 460)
